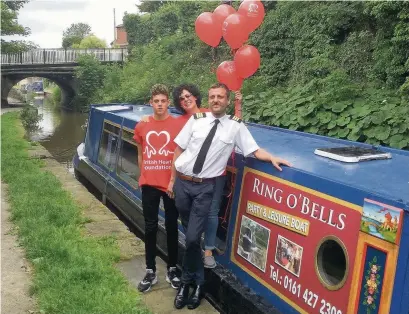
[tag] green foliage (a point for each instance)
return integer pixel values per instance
(9, 23)
(15, 46)
(334, 107)
(10, 26)
(90, 74)
(55, 94)
(75, 34)
(89, 42)
(150, 6)
(139, 29)
(333, 68)
(30, 117)
(72, 273)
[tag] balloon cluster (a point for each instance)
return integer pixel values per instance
(235, 28)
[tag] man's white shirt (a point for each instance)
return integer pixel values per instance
(229, 133)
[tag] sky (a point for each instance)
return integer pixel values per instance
(47, 19)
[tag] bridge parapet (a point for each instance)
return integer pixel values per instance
(61, 56)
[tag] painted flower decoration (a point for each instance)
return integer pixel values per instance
(371, 283)
(372, 280)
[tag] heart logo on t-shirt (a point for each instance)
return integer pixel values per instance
(151, 150)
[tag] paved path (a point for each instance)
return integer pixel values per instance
(160, 299)
(9, 109)
(15, 269)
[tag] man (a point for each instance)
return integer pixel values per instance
(203, 148)
(155, 154)
(187, 99)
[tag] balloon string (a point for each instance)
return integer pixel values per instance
(213, 65)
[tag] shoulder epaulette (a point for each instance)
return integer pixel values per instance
(235, 118)
(199, 115)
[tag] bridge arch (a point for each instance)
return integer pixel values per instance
(67, 84)
(56, 65)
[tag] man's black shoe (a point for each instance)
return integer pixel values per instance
(182, 296)
(195, 298)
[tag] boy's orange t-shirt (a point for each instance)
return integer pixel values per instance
(158, 146)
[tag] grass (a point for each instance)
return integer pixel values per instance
(388, 235)
(72, 273)
(364, 227)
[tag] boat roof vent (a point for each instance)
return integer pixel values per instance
(352, 153)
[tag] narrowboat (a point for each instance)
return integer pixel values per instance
(329, 235)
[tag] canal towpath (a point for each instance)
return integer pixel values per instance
(102, 222)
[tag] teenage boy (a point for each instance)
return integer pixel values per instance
(155, 154)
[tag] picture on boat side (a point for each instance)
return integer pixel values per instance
(289, 255)
(381, 220)
(253, 242)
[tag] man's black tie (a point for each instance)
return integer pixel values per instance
(197, 168)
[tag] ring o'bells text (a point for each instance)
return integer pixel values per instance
(299, 202)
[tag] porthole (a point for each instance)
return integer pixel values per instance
(331, 263)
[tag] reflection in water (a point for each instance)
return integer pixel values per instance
(60, 131)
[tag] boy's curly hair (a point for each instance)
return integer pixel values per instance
(159, 89)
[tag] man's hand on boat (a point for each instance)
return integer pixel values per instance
(261, 154)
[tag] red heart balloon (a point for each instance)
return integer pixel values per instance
(226, 74)
(207, 29)
(222, 12)
(247, 61)
(254, 11)
(235, 30)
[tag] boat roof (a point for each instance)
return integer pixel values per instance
(130, 111)
(389, 177)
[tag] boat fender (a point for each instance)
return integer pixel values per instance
(199, 115)
(235, 118)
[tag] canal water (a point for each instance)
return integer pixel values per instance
(60, 131)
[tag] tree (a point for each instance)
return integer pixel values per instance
(89, 42)
(15, 5)
(74, 34)
(150, 6)
(10, 26)
(139, 29)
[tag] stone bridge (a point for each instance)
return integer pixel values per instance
(56, 65)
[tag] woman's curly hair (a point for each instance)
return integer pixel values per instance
(193, 89)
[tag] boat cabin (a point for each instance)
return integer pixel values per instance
(328, 235)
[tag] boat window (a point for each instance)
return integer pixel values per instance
(127, 167)
(111, 128)
(107, 149)
(332, 263)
